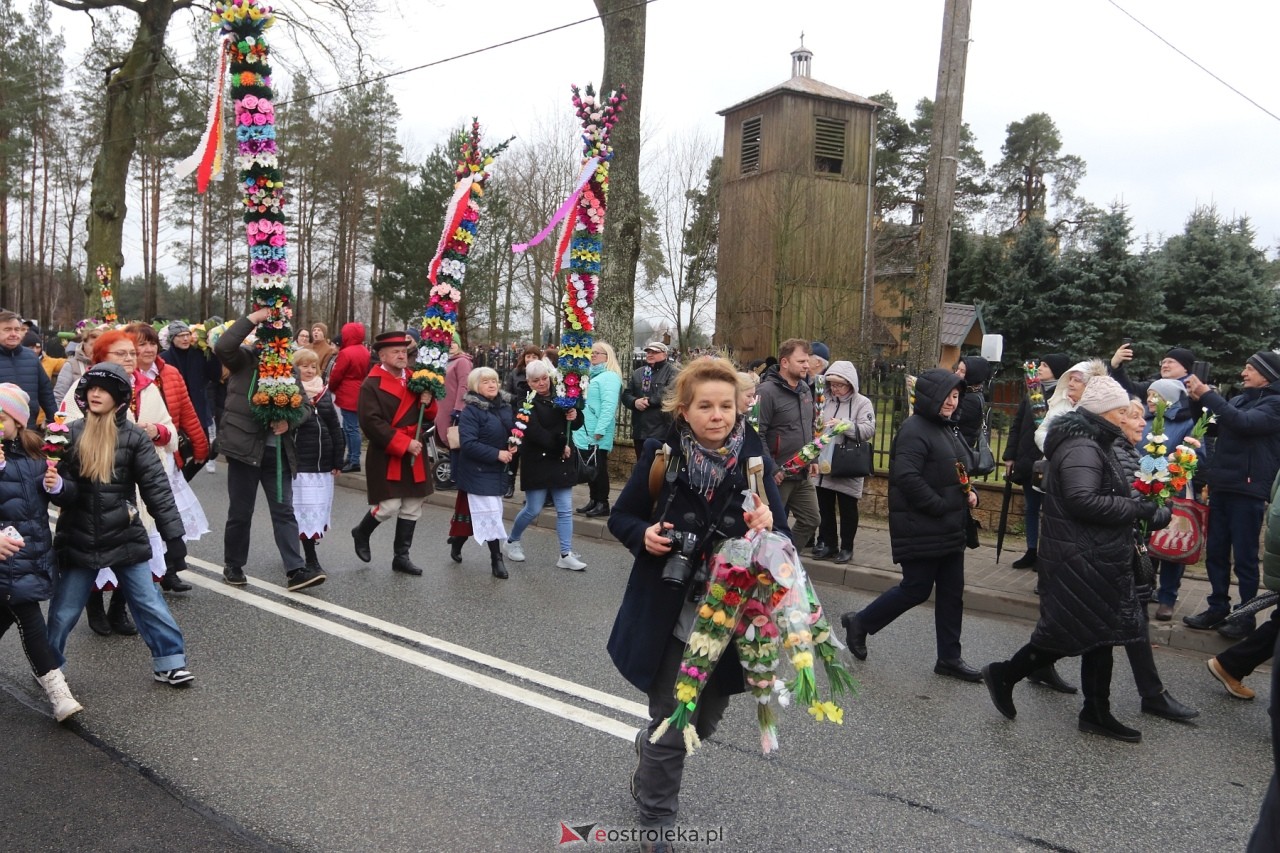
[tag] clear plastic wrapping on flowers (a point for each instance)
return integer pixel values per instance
(760, 598)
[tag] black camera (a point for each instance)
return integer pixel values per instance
(680, 565)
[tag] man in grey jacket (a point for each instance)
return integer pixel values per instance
(256, 456)
(786, 425)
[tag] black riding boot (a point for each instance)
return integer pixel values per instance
(455, 548)
(495, 559)
(404, 539)
(361, 533)
(118, 617)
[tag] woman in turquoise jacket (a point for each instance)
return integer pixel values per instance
(600, 422)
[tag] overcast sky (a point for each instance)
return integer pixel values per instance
(1157, 132)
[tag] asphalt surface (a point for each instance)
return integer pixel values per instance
(363, 716)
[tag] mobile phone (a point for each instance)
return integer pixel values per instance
(1128, 341)
(11, 532)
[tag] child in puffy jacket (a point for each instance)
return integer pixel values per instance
(26, 548)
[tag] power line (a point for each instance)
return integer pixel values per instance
(1185, 56)
(464, 55)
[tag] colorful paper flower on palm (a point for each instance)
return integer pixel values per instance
(108, 298)
(809, 454)
(244, 50)
(1035, 392)
(275, 395)
(448, 267)
(760, 597)
(56, 436)
(581, 239)
(522, 422)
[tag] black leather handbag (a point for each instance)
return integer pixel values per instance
(586, 466)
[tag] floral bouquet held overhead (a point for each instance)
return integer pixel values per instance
(581, 239)
(275, 395)
(448, 267)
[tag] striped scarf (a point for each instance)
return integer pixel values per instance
(708, 467)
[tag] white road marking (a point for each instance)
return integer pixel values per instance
(551, 705)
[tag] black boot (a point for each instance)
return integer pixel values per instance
(118, 617)
(1027, 560)
(97, 614)
(309, 551)
(1048, 677)
(590, 505)
(495, 559)
(361, 533)
(600, 510)
(171, 582)
(455, 548)
(1096, 719)
(1000, 687)
(404, 539)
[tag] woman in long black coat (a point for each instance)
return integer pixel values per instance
(1088, 602)
(928, 516)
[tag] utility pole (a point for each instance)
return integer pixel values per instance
(940, 189)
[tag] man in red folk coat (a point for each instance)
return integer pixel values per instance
(396, 475)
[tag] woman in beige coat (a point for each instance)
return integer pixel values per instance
(843, 403)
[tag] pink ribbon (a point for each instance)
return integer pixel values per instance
(588, 169)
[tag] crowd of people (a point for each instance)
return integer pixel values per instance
(143, 410)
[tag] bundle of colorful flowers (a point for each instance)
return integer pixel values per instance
(276, 395)
(448, 267)
(760, 598)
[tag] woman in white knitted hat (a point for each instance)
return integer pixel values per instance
(1088, 602)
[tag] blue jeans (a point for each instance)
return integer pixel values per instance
(1170, 582)
(1235, 523)
(351, 427)
(1031, 500)
(534, 499)
(155, 623)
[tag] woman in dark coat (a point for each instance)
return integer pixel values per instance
(549, 467)
(109, 462)
(701, 494)
(480, 464)
(928, 516)
(26, 548)
(975, 370)
(1156, 700)
(517, 386)
(1087, 600)
(1021, 453)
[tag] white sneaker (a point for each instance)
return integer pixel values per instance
(571, 562)
(515, 552)
(211, 467)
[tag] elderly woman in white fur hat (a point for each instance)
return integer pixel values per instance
(1088, 602)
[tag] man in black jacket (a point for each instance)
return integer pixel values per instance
(643, 394)
(1245, 460)
(254, 454)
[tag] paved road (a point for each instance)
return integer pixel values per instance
(458, 712)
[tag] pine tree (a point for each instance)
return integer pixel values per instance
(1220, 297)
